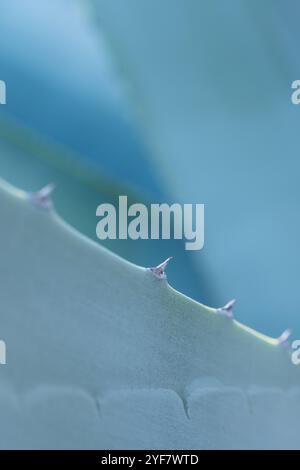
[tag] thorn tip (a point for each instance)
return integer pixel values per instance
(42, 198)
(227, 310)
(283, 338)
(159, 271)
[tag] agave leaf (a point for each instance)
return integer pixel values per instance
(102, 353)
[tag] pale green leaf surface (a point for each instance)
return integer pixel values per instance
(100, 353)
